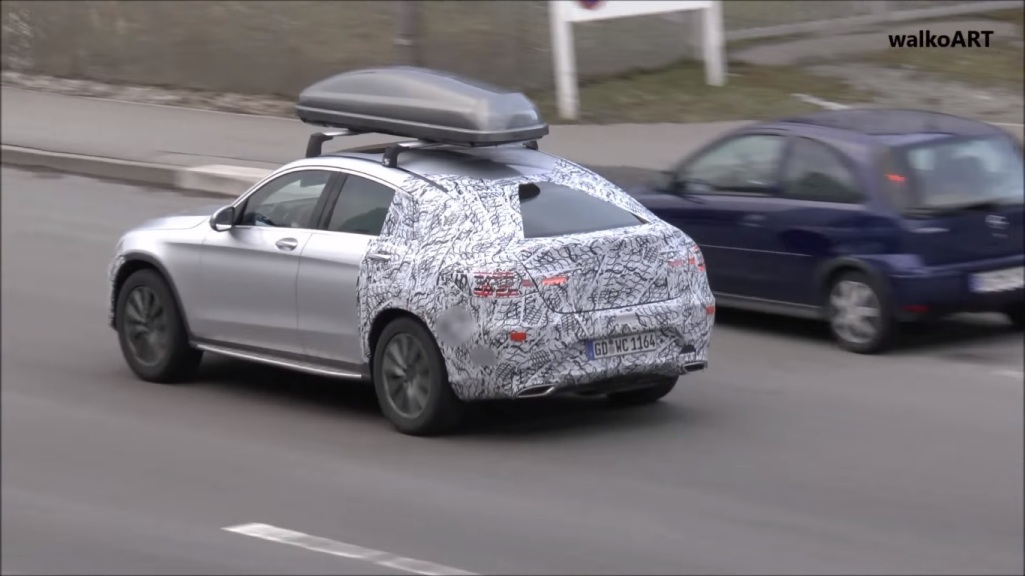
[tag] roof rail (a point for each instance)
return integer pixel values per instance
(421, 104)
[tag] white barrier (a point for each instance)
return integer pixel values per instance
(564, 13)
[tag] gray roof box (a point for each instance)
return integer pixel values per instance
(421, 104)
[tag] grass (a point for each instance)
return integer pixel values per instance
(1000, 65)
(679, 94)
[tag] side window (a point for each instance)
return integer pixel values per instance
(361, 207)
(814, 172)
(742, 163)
(287, 201)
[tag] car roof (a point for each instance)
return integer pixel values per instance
(889, 125)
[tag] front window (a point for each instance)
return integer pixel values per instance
(965, 172)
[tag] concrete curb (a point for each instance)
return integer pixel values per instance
(213, 179)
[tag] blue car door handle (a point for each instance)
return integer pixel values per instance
(753, 220)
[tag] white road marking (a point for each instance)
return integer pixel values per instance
(327, 546)
(820, 102)
(828, 105)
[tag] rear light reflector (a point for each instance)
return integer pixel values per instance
(518, 336)
(709, 310)
(554, 281)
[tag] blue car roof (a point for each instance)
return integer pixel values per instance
(892, 122)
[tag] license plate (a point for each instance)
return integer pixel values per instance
(622, 345)
(999, 280)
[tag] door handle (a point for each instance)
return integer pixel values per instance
(379, 256)
(287, 244)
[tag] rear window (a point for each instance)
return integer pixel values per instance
(953, 172)
(555, 210)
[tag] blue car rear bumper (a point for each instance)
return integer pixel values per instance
(947, 289)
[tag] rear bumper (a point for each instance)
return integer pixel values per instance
(553, 358)
(943, 290)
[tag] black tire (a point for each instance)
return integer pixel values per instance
(647, 395)
(1016, 314)
(884, 327)
(173, 359)
(442, 410)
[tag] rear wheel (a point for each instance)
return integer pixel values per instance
(1016, 314)
(647, 395)
(411, 382)
(150, 329)
(859, 314)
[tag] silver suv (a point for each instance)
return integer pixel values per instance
(453, 273)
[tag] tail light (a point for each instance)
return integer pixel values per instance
(499, 284)
(694, 258)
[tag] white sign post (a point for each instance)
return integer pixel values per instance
(564, 13)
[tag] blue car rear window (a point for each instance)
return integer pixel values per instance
(951, 172)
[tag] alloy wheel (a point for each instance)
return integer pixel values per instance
(407, 375)
(856, 312)
(146, 328)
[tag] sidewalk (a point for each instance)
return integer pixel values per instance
(218, 152)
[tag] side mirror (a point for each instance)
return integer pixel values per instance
(223, 219)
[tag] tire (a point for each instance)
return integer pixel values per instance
(648, 395)
(844, 313)
(166, 356)
(441, 410)
(1016, 314)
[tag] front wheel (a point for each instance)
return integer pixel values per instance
(647, 395)
(859, 314)
(151, 331)
(411, 382)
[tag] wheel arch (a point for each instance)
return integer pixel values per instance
(829, 271)
(132, 263)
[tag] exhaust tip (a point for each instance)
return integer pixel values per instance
(695, 367)
(535, 392)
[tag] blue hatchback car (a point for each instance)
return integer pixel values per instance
(863, 218)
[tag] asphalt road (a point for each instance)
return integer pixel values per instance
(787, 456)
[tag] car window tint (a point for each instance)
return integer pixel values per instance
(288, 201)
(361, 207)
(744, 162)
(814, 172)
(557, 210)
